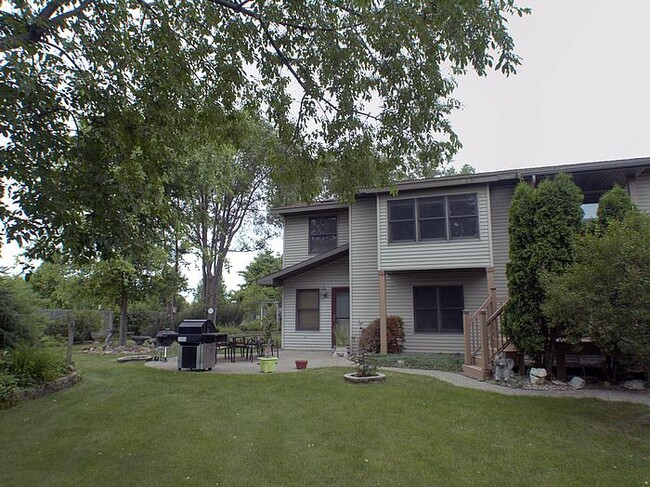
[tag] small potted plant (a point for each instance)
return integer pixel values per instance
(268, 362)
(341, 340)
(301, 364)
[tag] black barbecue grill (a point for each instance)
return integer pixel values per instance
(197, 340)
(164, 339)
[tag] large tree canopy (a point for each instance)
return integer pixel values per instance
(364, 86)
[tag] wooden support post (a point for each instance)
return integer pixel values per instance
(493, 301)
(485, 353)
(383, 334)
(71, 327)
(467, 329)
(489, 274)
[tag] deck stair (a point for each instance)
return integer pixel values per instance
(484, 338)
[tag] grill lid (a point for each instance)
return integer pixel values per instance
(166, 337)
(196, 327)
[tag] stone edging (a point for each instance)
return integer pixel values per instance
(352, 377)
(57, 385)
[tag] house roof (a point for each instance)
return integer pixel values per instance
(589, 172)
(277, 278)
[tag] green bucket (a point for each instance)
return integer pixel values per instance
(267, 365)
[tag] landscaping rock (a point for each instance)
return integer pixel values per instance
(577, 383)
(537, 376)
(135, 358)
(633, 385)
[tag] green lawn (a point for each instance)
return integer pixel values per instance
(126, 424)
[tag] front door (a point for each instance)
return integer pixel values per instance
(340, 314)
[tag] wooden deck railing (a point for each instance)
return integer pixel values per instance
(484, 338)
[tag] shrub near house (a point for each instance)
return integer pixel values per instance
(606, 294)
(394, 329)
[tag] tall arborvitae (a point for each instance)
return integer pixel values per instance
(543, 226)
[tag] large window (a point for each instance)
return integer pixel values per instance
(441, 218)
(438, 309)
(322, 234)
(307, 305)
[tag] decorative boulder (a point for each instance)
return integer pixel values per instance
(633, 385)
(537, 376)
(577, 382)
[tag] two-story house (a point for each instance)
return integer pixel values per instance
(427, 254)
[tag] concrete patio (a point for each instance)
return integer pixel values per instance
(286, 363)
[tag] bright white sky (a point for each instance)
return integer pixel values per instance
(582, 94)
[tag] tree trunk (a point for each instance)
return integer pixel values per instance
(123, 319)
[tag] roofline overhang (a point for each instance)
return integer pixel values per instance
(277, 278)
(638, 164)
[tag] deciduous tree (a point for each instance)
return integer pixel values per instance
(606, 294)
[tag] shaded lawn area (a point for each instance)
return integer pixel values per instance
(126, 424)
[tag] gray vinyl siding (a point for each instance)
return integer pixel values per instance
(364, 289)
(643, 192)
(500, 197)
(334, 274)
(296, 237)
(452, 254)
(399, 294)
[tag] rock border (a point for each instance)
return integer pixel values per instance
(57, 385)
(371, 379)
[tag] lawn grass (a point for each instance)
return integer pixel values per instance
(126, 424)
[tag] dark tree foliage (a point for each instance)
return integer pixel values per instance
(605, 295)
(544, 223)
(614, 205)
(96, 98)
(20, 320)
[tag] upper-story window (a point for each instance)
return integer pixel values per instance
(440, 218)
(322, 234)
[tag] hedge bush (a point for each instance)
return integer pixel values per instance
(394, 328)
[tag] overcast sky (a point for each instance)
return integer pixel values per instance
(581, 94)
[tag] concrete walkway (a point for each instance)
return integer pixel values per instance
(460, 380)
(319, 359)
(286, 363)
